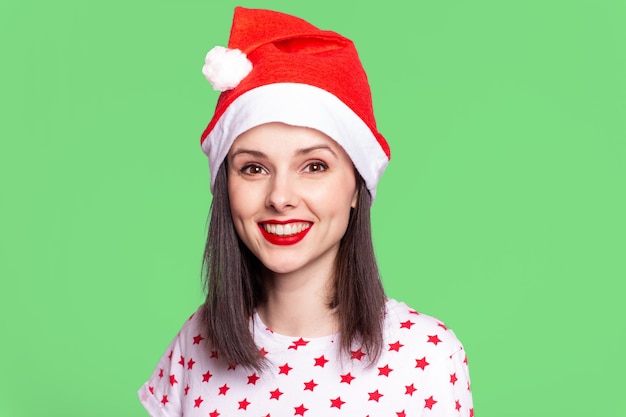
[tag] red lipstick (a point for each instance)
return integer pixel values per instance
(284, 240)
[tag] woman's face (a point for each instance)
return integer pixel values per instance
(291, 189)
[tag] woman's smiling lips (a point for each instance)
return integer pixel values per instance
(285, 232)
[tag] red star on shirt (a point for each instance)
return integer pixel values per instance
(275, 395)
(206, 376)
(457, 405)
(410, 389)
(297, 343)
(321, 361)
(190, 363)
(285, 369)
(173, 380)
(471, 412)
(401, 413)
(214, 354)
(406, 324)
(374, 396)
(337, 403)
(151, 389)
(186, 389)
(434, 340)
(395, 346)
(223, 389)
(385, 370)
(347, 378)
(252, 379)
(243, 404)
(300, 410)
(197, 339)
(453, 378)
(197, 402)
(170, 355)
(160, 372)
(421, 363)
(413, 312)
(443, 326)
(232, 366)
(465, 360)
(214, 413)
(164, 400)
(310, 385)
(263, 351)
(429, 402)
(181, 361)
(357, 354)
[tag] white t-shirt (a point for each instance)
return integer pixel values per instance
(422, 371)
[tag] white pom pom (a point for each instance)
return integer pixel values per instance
(225, 68)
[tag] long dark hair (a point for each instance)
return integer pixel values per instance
(233, 284)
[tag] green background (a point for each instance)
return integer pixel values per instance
(502, 211)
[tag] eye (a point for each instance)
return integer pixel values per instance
(317, 166)
(252, 169)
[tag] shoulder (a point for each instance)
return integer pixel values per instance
(419, 332)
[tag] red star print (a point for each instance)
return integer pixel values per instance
(434, 339)
(232, 366)
(453, 378)
(443, 326)
(297, 343)
(190, 364)
(321, 361)
(160, 372)
(181, 361)
(395, 346)
(465, 360)
(406, 324)
(457, 405)
(263, 351)
(170, 355)
(337, 403)
(151, 389)
(173, 380)
(214, 354)
(385, 370)
(243, 404)
(468, 386)
(410, 389)
(197, 402)
(413, 312)
(214, 413)
(197, 339)
(357, 354)
(186, 389)
(401, 413)
(223, 389)
(347, 378)
(429, 402)
(275, 395)
(285, 369)
(300, 410)
(421, 363)
(206, 376)
(374, 396)
(252, 379)
(471, 412)
(164, 400)
(310, 385)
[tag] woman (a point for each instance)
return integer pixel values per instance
(296, 321)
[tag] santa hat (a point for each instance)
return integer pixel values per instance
(279, 68)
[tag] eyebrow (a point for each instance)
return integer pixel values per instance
(302, 151)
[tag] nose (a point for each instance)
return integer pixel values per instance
(282, 194)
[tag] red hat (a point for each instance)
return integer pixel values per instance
(279, 68)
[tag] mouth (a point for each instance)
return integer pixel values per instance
(284, 233)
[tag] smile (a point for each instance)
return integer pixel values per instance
(288, 233)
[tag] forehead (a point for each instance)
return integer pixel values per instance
(282, 137)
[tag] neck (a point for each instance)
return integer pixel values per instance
(297, 304)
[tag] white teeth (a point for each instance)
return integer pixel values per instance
(285, 229)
